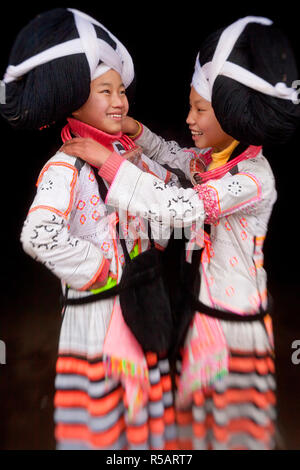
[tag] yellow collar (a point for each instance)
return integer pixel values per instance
(220, 158)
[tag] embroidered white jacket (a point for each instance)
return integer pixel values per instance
(238, 207)
(73, 233)
(70, 229)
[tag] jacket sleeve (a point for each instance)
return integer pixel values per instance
(46, 235)
(156, 169)
(243, 192)
(145, 195)
(168, 152)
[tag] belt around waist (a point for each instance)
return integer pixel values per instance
(230, 316)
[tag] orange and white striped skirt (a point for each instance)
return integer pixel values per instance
(238, 413)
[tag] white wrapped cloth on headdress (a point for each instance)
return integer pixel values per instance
(206, 74)
(98, 52)
(52, 63)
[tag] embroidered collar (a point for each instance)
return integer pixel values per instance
(251, 152)
(81, 129)
(222, 157)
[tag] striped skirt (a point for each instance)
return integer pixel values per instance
(239, 413)
(91, 413)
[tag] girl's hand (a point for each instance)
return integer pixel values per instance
(129, 126)
(196, 168)
(134, 155)
(197, 178)
(87, 149)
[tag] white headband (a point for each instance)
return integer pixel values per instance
(205, 75)
(95, 49)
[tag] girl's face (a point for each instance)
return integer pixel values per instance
(206, 130)
(107, 104)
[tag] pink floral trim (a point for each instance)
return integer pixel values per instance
(209, 196)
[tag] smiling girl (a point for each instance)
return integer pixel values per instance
(241, 99)
(109, 393)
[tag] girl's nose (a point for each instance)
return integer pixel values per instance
(190, 120)
(117, 100)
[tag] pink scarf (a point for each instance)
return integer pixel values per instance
(80, 129)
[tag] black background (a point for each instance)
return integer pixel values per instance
(163, 39)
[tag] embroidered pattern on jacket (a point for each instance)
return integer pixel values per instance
(209, 196)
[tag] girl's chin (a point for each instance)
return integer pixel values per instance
(114, 129)
(199, 140)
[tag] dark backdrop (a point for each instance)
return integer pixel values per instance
(163, 39)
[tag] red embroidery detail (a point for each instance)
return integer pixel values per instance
(230, 291)
(244, 235)
(80, 205)
(252, 271)
(209, 196)
(227, 225)
(82, 219)
(94, 200)
(243, 222)
(95, 215)
(105, 246)
(254, 300)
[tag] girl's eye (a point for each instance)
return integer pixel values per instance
(105, 91)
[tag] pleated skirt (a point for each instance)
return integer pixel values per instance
(91, 412)
(239, 412)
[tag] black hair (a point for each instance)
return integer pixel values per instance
(247, 115)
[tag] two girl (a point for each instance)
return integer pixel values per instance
(241, 99)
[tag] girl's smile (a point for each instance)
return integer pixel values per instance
(115, 116)
(195, 134)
